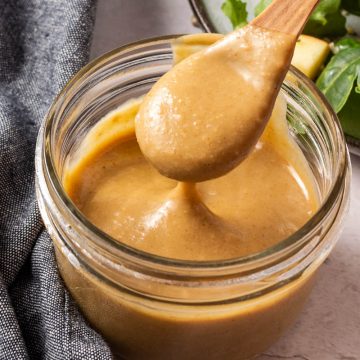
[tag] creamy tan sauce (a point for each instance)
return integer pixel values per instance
(256, 205)
(143, 329)
(203, 117)
(264, 200)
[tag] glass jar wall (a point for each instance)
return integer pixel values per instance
(149, 307)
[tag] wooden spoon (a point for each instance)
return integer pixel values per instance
(287, 16)
(204, 116)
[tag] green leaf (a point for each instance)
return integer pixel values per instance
(346, 43)
(326, 19)
(357, 88)
(352, 6)
(323, 10)
(349, 115)
(236, 11)
(337, 79)
(261, 6)
(334, 25)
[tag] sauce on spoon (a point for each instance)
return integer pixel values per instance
(203, 117)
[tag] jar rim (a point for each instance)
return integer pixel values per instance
(286, 244)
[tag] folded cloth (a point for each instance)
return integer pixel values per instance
(42, 44)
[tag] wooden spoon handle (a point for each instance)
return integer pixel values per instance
(287, 16)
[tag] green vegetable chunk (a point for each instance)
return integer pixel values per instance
(236, 11)
(352, 6)
(337, 79)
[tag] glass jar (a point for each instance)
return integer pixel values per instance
(149, 307)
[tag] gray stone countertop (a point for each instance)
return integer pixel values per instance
(329, 326)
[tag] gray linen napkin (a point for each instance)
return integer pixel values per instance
(42, 44)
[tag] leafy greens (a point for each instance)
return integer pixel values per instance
(349, 112)
(324, 9)
(349, 115)
(236, 11)
(346, 43)
(337, 79)
(326, 19)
